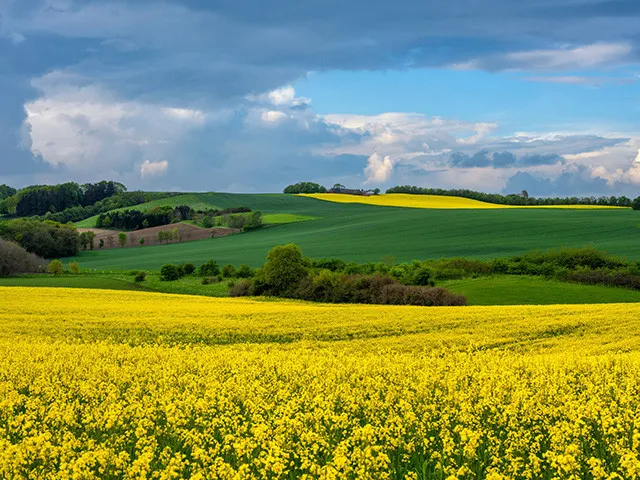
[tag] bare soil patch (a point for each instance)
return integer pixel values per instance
(186, 233)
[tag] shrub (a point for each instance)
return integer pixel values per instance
(207, 222)
(15, 260)
(228, 271)
(245, 271)
(140, 277)
(55, 267)
(74, 268)
(210, 269)
(242, 288)
(169, 272)
(188, 268)
(332, 287)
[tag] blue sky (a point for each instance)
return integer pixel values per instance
(250, 95)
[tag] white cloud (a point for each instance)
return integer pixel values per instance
(273, 116)
(379, 169)
(186, 114)
(588, 56)
(153, 169)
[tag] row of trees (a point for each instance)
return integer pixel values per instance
(45, 239)
(42, 199)
(137, 220)
(305, 187)
(121, 200)
(287, 273)
(517, 199)
(6, 191)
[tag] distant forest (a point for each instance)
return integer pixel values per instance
(522, 198)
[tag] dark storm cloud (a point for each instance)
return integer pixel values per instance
(502, 159)
(210, 55)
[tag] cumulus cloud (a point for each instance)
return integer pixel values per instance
(153, 169)
(379, 169)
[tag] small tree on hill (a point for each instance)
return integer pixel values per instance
(91, 236)
(284, 269)
(55, 267)
(122, 239)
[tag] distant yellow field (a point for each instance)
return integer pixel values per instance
(120, 384)
(429, 201)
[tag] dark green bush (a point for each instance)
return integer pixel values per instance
(188, 268)
(229, 271)
(209, 269)
(140, 277)
(245, 271)
(170, 273)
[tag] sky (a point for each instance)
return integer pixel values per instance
(252, 95)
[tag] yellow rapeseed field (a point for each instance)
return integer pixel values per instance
(114, 384)
(428, 201)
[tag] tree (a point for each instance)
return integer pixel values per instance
(142, 241)
(284, 269)
(74, 268)
(55, 267)
(91, 236)
(111, 241)
(84, 240)
(524, 194)
(338, 186)
(175, 234)
(122, 239)
(636, 203)
(101, 243)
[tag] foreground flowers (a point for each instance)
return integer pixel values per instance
(136, 385)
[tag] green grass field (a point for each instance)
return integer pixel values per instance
(498, 290)
(512, 290)
(184, 286)
(365, 233)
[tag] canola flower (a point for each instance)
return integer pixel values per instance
(431, 201)
(106, 384)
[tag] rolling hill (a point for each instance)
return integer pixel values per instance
(365, 233)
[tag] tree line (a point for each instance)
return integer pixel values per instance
(42, 199)
(138, 220)
(522, 199)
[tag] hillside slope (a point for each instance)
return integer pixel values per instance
(368, 233)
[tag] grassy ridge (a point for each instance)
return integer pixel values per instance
(365, 233)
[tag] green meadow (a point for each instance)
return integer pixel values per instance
(365, 233)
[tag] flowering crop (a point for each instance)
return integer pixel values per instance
(430, 201)
(140, 385)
